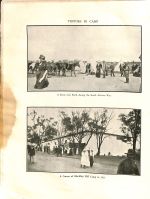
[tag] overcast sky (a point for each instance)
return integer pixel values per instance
(109, 43)
(111, 144)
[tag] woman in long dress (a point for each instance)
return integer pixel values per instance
(98, 70)
(85, 162)
(41, 76)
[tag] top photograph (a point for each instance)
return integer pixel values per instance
(82, 58)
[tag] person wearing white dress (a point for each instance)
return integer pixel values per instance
(85, 162)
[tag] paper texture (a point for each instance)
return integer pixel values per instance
(16, 181)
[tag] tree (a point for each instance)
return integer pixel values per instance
(99, 127)
(80, 124)
(50, 132)
(76, 124)
(131, 127)
(48, 126)
(67, 126)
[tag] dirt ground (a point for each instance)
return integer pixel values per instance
(83, 82)
(49, 163)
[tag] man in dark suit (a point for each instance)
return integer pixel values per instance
(128, 166)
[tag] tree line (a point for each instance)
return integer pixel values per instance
(80, 124)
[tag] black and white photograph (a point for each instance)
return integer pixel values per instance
(84, 140)
(84, 58)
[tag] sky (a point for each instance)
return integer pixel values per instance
(111, 144)
(109, 43)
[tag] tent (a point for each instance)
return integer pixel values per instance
(117, 67)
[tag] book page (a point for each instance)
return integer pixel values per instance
(75, 99)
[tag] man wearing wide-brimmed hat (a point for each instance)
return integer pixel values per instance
(128, 166)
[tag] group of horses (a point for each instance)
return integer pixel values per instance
(55, 68)
(60, 68)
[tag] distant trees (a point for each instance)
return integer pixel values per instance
(131, 127)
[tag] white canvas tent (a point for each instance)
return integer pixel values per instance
(117, 67)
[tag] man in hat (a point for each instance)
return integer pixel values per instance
(126, 72)
(128, 166)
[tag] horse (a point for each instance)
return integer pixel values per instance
(64, 66)
(59, 67)
(52, 68)
(33, 67)
(71, 66)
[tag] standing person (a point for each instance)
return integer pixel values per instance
(128, 166)
(98, 70)
(126, 72)
(121, 70)
(112, 67)
(32, 153)
(104, 69)
(28, 147)
(85, 162)
(83, 159)
(88, 68)
(91, 158)
(41, 75)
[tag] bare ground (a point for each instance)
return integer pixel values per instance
(49, 163)
(83, 82)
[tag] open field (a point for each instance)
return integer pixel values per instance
(49, 163)
(83, 82)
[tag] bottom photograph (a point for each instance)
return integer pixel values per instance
(84, 140)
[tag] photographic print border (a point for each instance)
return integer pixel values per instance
(53, 107)
(140, 90)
